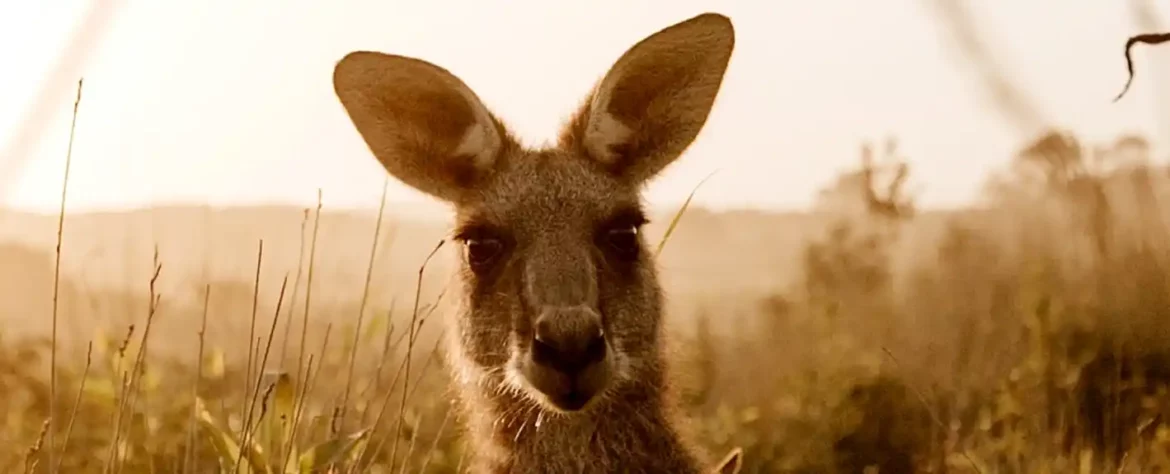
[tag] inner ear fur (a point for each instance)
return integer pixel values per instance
(426, 127)
(655, 99)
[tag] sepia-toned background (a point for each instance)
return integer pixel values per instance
(930, 241)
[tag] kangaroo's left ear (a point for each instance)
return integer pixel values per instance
(655, 99)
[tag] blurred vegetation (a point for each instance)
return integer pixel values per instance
(1029, 337)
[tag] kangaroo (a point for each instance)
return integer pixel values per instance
(556, 346)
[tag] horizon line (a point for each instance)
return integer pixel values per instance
(430, 209)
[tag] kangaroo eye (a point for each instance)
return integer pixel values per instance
(481, 252)
(623, 241)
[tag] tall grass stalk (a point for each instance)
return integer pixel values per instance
(357, 331)
(308, 292)
(190, 458)
(292, 306)
(252, 319)
(76, 406)
(251, 402)
(57, 279)
(678, 215)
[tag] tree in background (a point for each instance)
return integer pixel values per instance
(876, 188)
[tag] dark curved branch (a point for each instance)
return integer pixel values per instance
(1148, 38)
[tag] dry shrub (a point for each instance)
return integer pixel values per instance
(1027, 336)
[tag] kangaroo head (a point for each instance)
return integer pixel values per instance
(560, 296)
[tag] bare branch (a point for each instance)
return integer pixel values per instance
(1148, 38)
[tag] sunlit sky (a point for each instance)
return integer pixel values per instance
(229, 102)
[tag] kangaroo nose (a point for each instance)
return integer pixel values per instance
(567, 361)
(568, 339)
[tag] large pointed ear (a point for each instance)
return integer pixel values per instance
(655, 99)
(425, 126)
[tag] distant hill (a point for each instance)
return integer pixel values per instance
(114, 249)
(714, 259)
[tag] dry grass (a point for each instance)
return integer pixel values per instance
(1029, 338)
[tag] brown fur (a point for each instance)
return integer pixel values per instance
(557, 273)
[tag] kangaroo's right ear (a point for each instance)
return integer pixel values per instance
(426, 127)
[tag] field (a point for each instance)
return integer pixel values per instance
(1023, 336)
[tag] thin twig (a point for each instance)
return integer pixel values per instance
(120, 394)
(251, 403)
(138, 371)
(1148, 38)
(299, 404)
(57, 280)
(412, 334)
(410, 348)
(252, 323)
(309, 290)
(362, 306)
(391, 348)
(129, 398)
(292, 306)
(405, 364)
(76, 406)
(248, 428)
(678, 215)
(30, 458)
(191, 457)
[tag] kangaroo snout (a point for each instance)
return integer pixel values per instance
(567, 360)
(568, 339)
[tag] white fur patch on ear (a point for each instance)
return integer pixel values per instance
(652, 104)
(481, 142)
(603, 132)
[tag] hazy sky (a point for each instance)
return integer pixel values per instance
(229, 101)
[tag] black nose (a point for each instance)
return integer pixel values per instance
(568, 340)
